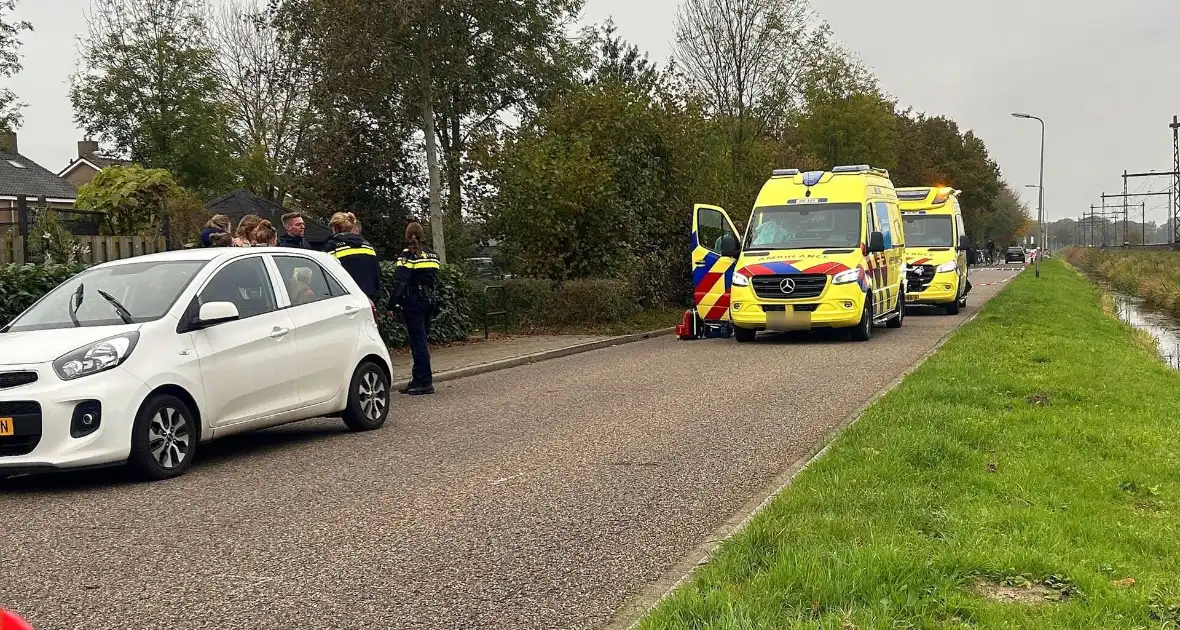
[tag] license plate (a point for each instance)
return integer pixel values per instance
(788, 320)
(6, 427)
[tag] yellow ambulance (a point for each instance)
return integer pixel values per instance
(936, 247)
(821, 249)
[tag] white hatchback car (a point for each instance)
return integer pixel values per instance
(141, 360)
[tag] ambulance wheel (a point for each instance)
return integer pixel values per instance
(952, 308)
(897, 321)
(864, 329)
(744, 335)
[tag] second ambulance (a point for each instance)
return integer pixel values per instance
(936, 248)
(822, 249)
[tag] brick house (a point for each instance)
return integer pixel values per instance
(21, 176)
(83, 168)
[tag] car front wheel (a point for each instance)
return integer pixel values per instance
(164, 439)
(368, 398)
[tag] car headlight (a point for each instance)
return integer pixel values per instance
(740, 279)
(846, 277)
(950, 266)
(99, 356)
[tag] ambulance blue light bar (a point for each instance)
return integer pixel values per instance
(811, 178)
(784, 172)
(855, 168)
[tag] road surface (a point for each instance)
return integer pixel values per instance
(539, 497)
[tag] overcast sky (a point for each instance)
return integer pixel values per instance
(1100, 73)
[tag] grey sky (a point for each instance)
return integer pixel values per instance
(1096, 71)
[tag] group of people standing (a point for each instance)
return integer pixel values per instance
(415, 276)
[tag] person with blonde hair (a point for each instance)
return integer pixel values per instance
(355, 254)
(414, 284)
(244, 234)
(217, 224)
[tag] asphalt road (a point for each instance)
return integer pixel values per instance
(538, 497)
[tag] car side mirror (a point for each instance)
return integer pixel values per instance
(729, 246)
(213, 313)
(876, 242)
(964, 243)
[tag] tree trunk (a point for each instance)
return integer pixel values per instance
(455, 169)
(436, 216)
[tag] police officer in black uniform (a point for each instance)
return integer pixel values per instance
(414, 285)
(355, 254)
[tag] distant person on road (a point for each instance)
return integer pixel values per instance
(218, 224)
(991, 251)
(355, 254)
(294, 229)
(414, 293)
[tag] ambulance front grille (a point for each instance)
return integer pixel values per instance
(805, 286)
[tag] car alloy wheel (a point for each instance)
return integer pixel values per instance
(373, 396)
(169, 438)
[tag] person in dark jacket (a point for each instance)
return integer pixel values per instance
(355, 254)
(413, 292)
(217, 223)
(294, 229)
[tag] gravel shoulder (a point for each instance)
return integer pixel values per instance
(543, 496)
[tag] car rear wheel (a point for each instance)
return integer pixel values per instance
(164, 439)
(864, 329)
(744, 335)
(368, 398)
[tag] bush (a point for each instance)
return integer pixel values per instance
(22, 285)
(535, 303)
(456, 296)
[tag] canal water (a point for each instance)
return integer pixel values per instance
(1164, 328)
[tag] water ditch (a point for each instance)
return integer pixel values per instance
(1164, 328)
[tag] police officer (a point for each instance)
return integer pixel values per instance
(355, 254)
(414, 292)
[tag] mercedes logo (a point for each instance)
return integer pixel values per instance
(787, 286)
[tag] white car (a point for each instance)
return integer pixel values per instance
(140, 361)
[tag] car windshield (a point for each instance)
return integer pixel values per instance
(1015, 250)
(119, 294)
(928, 230)
(805, 226)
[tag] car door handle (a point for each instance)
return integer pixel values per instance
(279, 332)
(351, 310)
(699, 263)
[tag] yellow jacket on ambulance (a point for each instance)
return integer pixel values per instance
(821, 249)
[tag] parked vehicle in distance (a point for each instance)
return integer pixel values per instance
(1015, 254)
(141, 360)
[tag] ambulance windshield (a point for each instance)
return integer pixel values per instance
(928, 230)
(805, 226)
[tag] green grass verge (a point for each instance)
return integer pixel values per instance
(644, 321)
(1040, 447)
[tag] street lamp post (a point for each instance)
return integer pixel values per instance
(1040, 187)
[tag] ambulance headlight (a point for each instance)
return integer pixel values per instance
(846, 277)
(740, 279)
(945, 267)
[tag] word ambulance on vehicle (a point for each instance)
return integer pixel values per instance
(936, 248)
(822, 249)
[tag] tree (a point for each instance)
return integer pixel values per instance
(267, 86)
(10, 64)
(142, 201)
(149, 88)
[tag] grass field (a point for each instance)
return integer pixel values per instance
(1026, 476)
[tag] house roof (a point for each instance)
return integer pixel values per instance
(21, 176)
(96, 162)
(241, 202)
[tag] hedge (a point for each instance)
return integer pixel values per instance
(531, 303)
(22, 285)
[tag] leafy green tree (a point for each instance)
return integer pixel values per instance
(148, 88)
(10, 63)
(140, 201)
